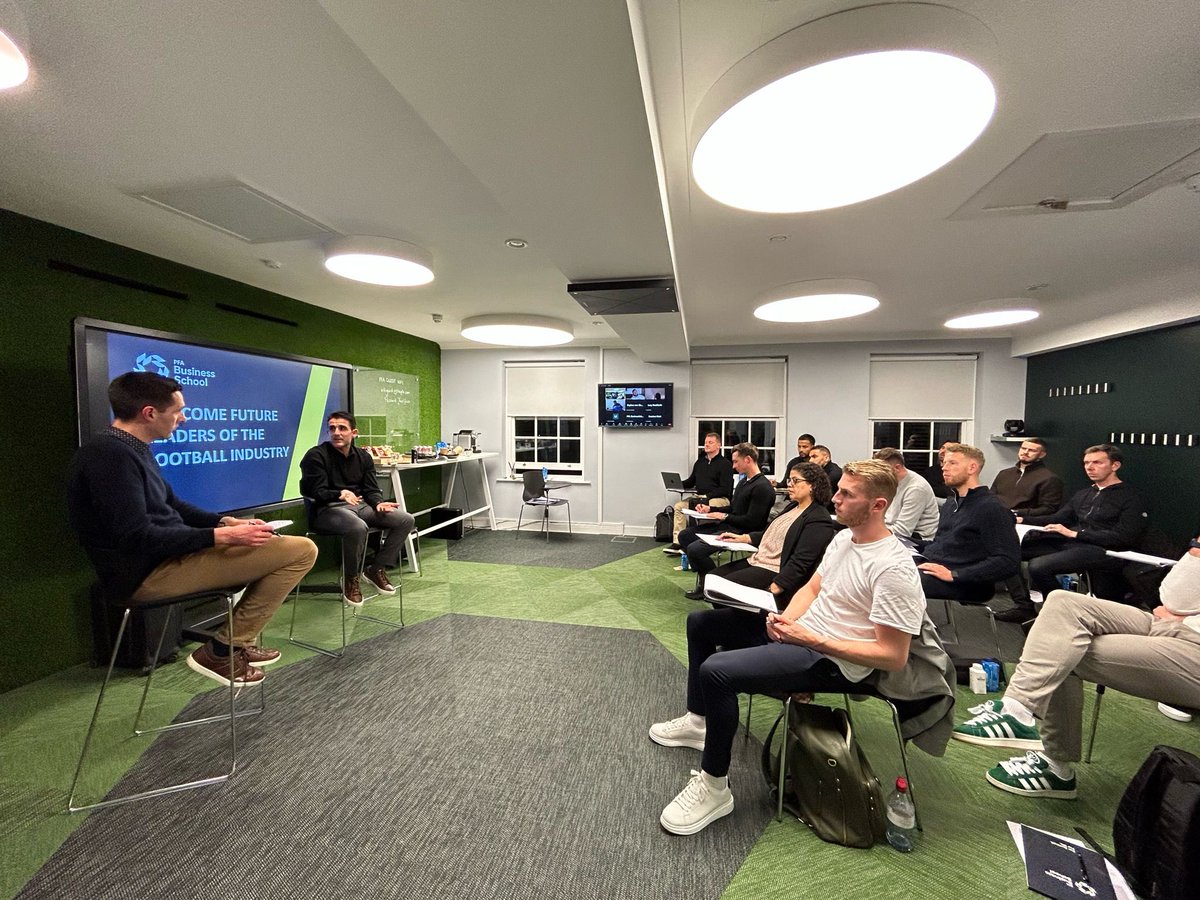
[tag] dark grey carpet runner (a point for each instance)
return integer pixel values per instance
(463, 757)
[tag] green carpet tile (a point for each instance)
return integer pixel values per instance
(964, 851)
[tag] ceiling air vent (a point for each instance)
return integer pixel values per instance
(1078, 171)
(617, 298)
(239, 210)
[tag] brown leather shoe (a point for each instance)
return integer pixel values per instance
(352, 593)
(208, 664)
(379, 578)
(260, 656)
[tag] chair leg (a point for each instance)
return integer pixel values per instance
(307, 645)
(1087, 757)
(173, 788)
(749, 709)
(520, 513)
(899, 742)
(783, 758)
(996, 640)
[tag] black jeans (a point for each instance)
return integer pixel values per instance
(748, 662)
(975, 592)
(699, 554)
(1053, 555)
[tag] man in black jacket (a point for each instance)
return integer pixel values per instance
(148, 544)
(711, 479)
(976, 543)
(339, 479)
(753, 498)
(1109, 515)
(791, 547)
(1029, 488)
(820, 455)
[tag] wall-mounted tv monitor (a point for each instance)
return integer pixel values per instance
(645, 404)
(251, 414)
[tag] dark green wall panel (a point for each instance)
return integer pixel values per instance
(1155, 389)
(46, 625)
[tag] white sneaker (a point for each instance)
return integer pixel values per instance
(678, 733)
(696, 806)
(1173, 712)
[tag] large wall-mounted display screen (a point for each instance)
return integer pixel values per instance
(641, 405)
(251, 414)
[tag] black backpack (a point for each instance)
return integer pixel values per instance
(664, 524)
(830, 785)
(1157, 827)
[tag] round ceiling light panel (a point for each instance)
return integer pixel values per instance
(517, 330)
(377, 260)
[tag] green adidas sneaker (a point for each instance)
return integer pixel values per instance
(1030, 776)
(992, 727)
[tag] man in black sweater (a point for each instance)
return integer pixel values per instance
(148, 544)
(820, 455)
(976, 543)
(1109, 515)
(339, 480)
(711, 479)
(753, 498)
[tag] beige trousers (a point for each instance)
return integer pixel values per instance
(1078, 638)
(270, 572)
(681, 521)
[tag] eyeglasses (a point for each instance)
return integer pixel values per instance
(794, 481)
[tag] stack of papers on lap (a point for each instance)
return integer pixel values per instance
(726, 545)
(1146, 558)
(1023, 530)
(730, 593)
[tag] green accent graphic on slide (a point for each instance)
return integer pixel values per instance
(308, 430)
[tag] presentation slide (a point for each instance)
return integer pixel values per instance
(250, 417)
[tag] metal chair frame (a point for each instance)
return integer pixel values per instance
(230, 596)
(545, 502)
(785, 745)
(338, 588)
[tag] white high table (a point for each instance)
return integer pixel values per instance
(455, 461)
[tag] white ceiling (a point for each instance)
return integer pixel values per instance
(456, 125)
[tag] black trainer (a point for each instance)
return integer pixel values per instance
(1020, 612)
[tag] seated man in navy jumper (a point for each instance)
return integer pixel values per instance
(857, 615)
(976, 543)
(339, 479)
(148, 544)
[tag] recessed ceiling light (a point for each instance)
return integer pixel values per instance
(14, 67)
(777, 238)
(821, 300)
(993, 318)
(846, 108)
(377, 260)
(516, 243)
(517, 330)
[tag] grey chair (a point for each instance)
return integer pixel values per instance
(229, 596)
(304, 587)
(536, 494)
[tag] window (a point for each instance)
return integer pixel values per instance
(553, 442)
(918, 402)
(917, 440)
(722, 401)
(759, 432)
(545, 406)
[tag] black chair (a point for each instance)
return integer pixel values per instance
(229, 596)
(536, 494)
(302, 587)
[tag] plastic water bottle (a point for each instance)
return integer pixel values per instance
(901, 818)
(545, 473)
(683, 562)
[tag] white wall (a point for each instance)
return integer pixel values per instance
(828, 387)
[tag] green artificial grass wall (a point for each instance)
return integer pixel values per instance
(44, 595)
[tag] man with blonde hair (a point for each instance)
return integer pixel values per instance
(976, 543)
(855, 616)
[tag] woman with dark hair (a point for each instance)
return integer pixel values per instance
(790, 548)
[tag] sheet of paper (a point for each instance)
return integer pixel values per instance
(279, 523)
(1119, 884)
(726, 545)
(1134, 556)
(1023, 530)
(692, 514)
(730, 593)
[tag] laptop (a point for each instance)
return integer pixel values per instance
(672, 481)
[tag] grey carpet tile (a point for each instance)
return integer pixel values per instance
(561, 551)
(462, 757)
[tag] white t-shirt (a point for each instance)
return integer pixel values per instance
(863, 585)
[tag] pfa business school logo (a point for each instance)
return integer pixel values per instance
(151, 362)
